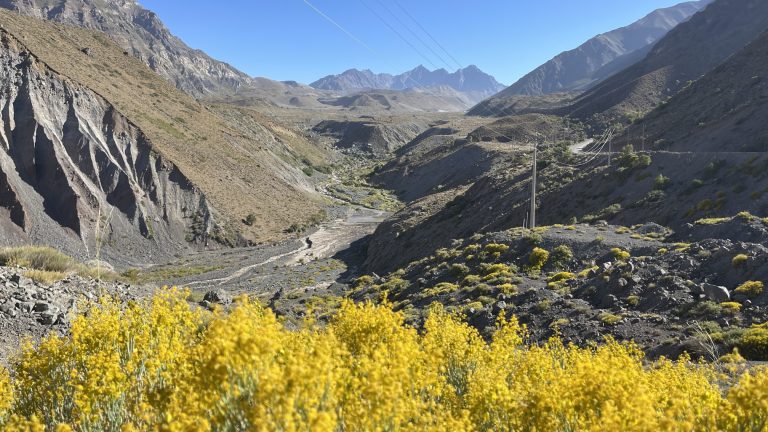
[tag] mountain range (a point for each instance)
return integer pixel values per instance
(469, 81)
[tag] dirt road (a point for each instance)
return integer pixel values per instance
(289, 264)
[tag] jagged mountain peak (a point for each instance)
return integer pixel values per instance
(467, 80)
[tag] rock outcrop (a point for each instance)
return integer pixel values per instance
(69, 159)
(29, 309)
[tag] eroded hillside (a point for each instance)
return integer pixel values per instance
(86, 124)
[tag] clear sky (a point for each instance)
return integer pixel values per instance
(288, 40)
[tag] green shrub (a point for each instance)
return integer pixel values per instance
(439, 289)
(705, 309)
(476, 306)
(496, 269)
(534, 239)
(750, 288)
(395, 285)
(471, 280)
(730, 308)
(508, 289)
(250, 219)
(561, 256)
(543, 306)
(633, 300)
(628, 159)
(472, 249)
(562, 276)
(459, 269)
(363, 281)
(496, 248)
(753, 344)
(609, 318)
(661, 182)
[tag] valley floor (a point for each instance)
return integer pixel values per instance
(300, 267)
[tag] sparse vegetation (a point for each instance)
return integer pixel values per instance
(610, 319)
(166, 273)
(47, 265)
(250, 219)
(629, 160)
(661, 182)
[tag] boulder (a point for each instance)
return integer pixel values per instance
(716, 293)
(217, 296)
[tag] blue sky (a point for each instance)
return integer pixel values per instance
(288, 40)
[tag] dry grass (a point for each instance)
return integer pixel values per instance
(45, 277)
(242, 162)
(47, 265)
(38, 258)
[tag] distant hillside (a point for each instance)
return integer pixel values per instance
(470, 81)
(592, 62)
(433, 99)
(603, 55)
(687, 52)
(725, 111)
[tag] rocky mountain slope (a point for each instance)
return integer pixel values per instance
(470, 82)
(603, 55)
(97, 149)
(705, 153)
(141, 33)
(685, 54)
(698, 291)
(724, 111)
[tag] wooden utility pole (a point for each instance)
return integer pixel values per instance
(533, 187)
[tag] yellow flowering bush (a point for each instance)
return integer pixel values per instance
(750, 288)
(160, 364)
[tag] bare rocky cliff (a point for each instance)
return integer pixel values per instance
(141, 33)
(75, 172)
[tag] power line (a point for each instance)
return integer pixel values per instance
(396, 2)
(400, 35)
(408, 76)
(383, 5)
(488, 108)
(339, 26)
